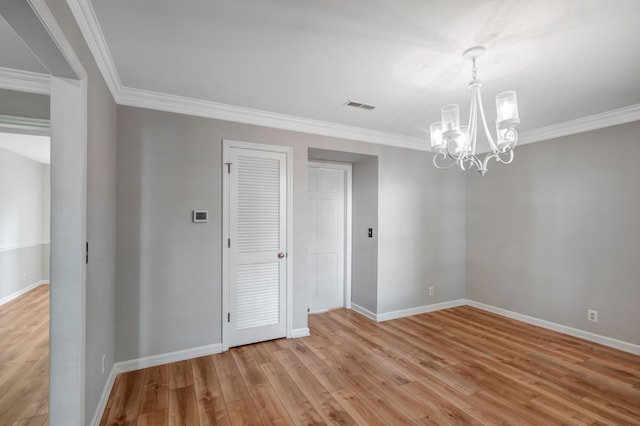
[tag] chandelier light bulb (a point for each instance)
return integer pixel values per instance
(436, 137)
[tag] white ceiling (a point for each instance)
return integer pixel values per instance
(567, 59)
(14, 53)
(37, 148)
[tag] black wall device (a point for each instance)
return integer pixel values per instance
(200, 216)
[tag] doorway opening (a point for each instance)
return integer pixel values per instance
(24, 269)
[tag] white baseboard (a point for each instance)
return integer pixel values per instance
(363, 311)
(154, 360)
(300, 332)
(581, 334)
(22, 291)
(104, 398)
(420, 310)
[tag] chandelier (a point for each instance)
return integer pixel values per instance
(456, 145)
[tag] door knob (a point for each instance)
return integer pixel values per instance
(281, 255)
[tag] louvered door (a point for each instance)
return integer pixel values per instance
(257, 252)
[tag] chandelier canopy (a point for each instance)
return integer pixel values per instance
(457, 143)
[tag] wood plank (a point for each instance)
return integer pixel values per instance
(183, 409)
(155, 391)
(212, 409)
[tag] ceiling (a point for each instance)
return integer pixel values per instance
(14, 53)
(37, 148)
(566, 59)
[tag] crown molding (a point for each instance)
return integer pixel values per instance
(85, 16)
(38, 126)
(87, 21)
(200, 108)
(24, 81)
(580, 125)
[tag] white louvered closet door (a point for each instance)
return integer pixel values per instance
(257, 270)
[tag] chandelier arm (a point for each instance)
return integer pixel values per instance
(444, 156)
(453, 155)
(488, 157)
(492, 143)
(472, 160)
(471, 128)
(510, 136)
(503, 161)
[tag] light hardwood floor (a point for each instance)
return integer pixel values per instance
(457, 366)
(24, 359)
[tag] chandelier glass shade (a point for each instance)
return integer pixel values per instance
(454, 144)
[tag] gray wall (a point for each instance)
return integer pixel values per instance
(23, 226)
(169, 270)
(101, 213)
(364, 272)
(557, 232)
(22, 104)
(421, 238)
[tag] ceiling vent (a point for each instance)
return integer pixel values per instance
(360, 105)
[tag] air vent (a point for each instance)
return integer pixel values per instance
(360, 105)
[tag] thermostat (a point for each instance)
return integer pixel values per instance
(200, 216)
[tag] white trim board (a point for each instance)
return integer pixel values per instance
(420, 310)
(24, 81)
(166, 358)
(37, 125)
(300, 332)
(581, 334)
(386, 316)
(90, 27)
(104, 397)
(22, 291)
(363, 311)
(580, 125)
(19, 246)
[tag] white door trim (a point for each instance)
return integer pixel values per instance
(226, 145)
(348, 170)
(69, 111)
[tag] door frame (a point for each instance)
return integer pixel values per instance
(227, 144)
(347, 168)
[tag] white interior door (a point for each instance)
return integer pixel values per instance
(326, 248)
(257, 245)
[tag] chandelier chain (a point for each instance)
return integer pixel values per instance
(473, 69)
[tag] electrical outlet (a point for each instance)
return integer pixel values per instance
(103, 369)
(24, 276)
(592, 315)
(432, 291)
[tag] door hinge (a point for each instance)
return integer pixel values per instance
(228, 167)
(228, 316)
(228, 242)
(86, 253)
